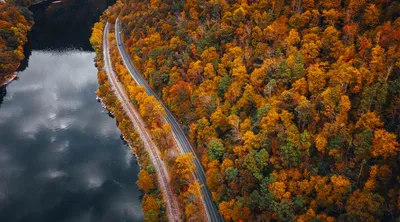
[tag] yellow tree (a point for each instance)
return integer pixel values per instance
(192, 199)
(248, 99)
(257, 78)
(209, 55)
(369, 121)
(149, 203)
(185, 166)
(341, 187)
(384, 144)
(310, 46)
(225, 209)
(194, 190)
(378, 62)
(219, 120)
(293, 37)
(279, 190)
(162, 135)
(331, 16)
(321, 142)
(371, 15)
(151, 110)
(209, 71)
(145, 181)
(97, 35)
(344, 107)
(270, 121)
(195, 71)
(316, 78)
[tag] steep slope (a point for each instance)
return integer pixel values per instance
(293, 106)
(178, 134)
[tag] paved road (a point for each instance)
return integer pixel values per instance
(180, 137)
(163, 178)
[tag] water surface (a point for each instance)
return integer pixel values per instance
(61, 156)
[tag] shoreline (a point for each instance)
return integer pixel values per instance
(8, 79)
(8, 76)
(128, 143)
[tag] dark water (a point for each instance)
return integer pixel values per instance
(61, 157)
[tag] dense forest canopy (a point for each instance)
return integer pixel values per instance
(293, 106)
(15, 22)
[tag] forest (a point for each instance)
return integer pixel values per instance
(293, 106)
(185, 189)
(15, 22)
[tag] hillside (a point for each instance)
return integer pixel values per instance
(294, 106)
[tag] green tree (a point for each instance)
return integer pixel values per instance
(216, 149)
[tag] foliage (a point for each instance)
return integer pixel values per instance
(292, 105)
(15, 22)
(154, 208)
(145, 181)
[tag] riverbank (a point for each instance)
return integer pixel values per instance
(153, 206)
(17, 21)
(5, 80)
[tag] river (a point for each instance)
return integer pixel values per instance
(61, 156)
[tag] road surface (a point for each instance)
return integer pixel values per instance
(179, 135)
(140, 127)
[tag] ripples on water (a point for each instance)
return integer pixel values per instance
(61, 157)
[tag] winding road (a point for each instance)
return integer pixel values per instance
(179, 135)
(163, 178)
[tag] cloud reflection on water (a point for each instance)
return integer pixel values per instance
(60, 154)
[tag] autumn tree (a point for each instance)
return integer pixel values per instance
(384, 144)
(364, 206)
(216, 149)
(96, 38)
(179, 98)
(145, 181)
(185, 166)
(291, 106)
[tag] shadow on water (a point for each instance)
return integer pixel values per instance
(66, 24)
(3, 93)
(55, 28)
